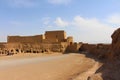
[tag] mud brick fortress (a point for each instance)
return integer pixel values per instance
(51, 41)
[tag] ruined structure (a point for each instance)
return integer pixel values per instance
(114, 51)
(51, 41)
(25, 39)
(73, 47)
(55, 36)
(110, 70)
(98, 50)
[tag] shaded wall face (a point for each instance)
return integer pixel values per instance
(59, 36)
(27, 39)
(73, 47)
(2, 46)
(98, 50)
(114, 51)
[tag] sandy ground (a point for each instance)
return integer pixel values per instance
(27, 55)
(46, 67)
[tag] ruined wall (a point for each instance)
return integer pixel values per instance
(74, 47)
(64, 46)
(25, 44)
(25, 39)
(87, 47)
(2, 45)
(70, 39)
(98, 50)
(55, 36)
(23, 47)
(52, 41)
(54, 47)
(114, 51)
(2, 49)
(110, 70)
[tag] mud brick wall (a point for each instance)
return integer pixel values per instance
(58, 36)
(25, 39)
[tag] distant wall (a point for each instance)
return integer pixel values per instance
(25, 39)
(74, 47)
(70, 39)
(87, 47)
(51, 41)
(2, 45)
(98, 50)
(58, 36)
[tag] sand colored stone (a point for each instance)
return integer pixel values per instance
(51, 41)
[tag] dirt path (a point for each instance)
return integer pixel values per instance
(89, 72)
(19, 62)
(61, 67)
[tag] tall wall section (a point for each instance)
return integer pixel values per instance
(55, 36)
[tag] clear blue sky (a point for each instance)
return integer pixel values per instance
(90, 21)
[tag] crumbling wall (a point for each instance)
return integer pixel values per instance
(70, 39)
(87, 47)
(114, 51)
(110, 70)
(3, 49)
(64, 46)
(2, 45)
(98, 50)
(54, 47)
(52, 41)
(25, 39)
(73, 47)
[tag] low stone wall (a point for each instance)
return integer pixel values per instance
(98, 50)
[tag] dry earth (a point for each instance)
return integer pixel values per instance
(47, 67)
